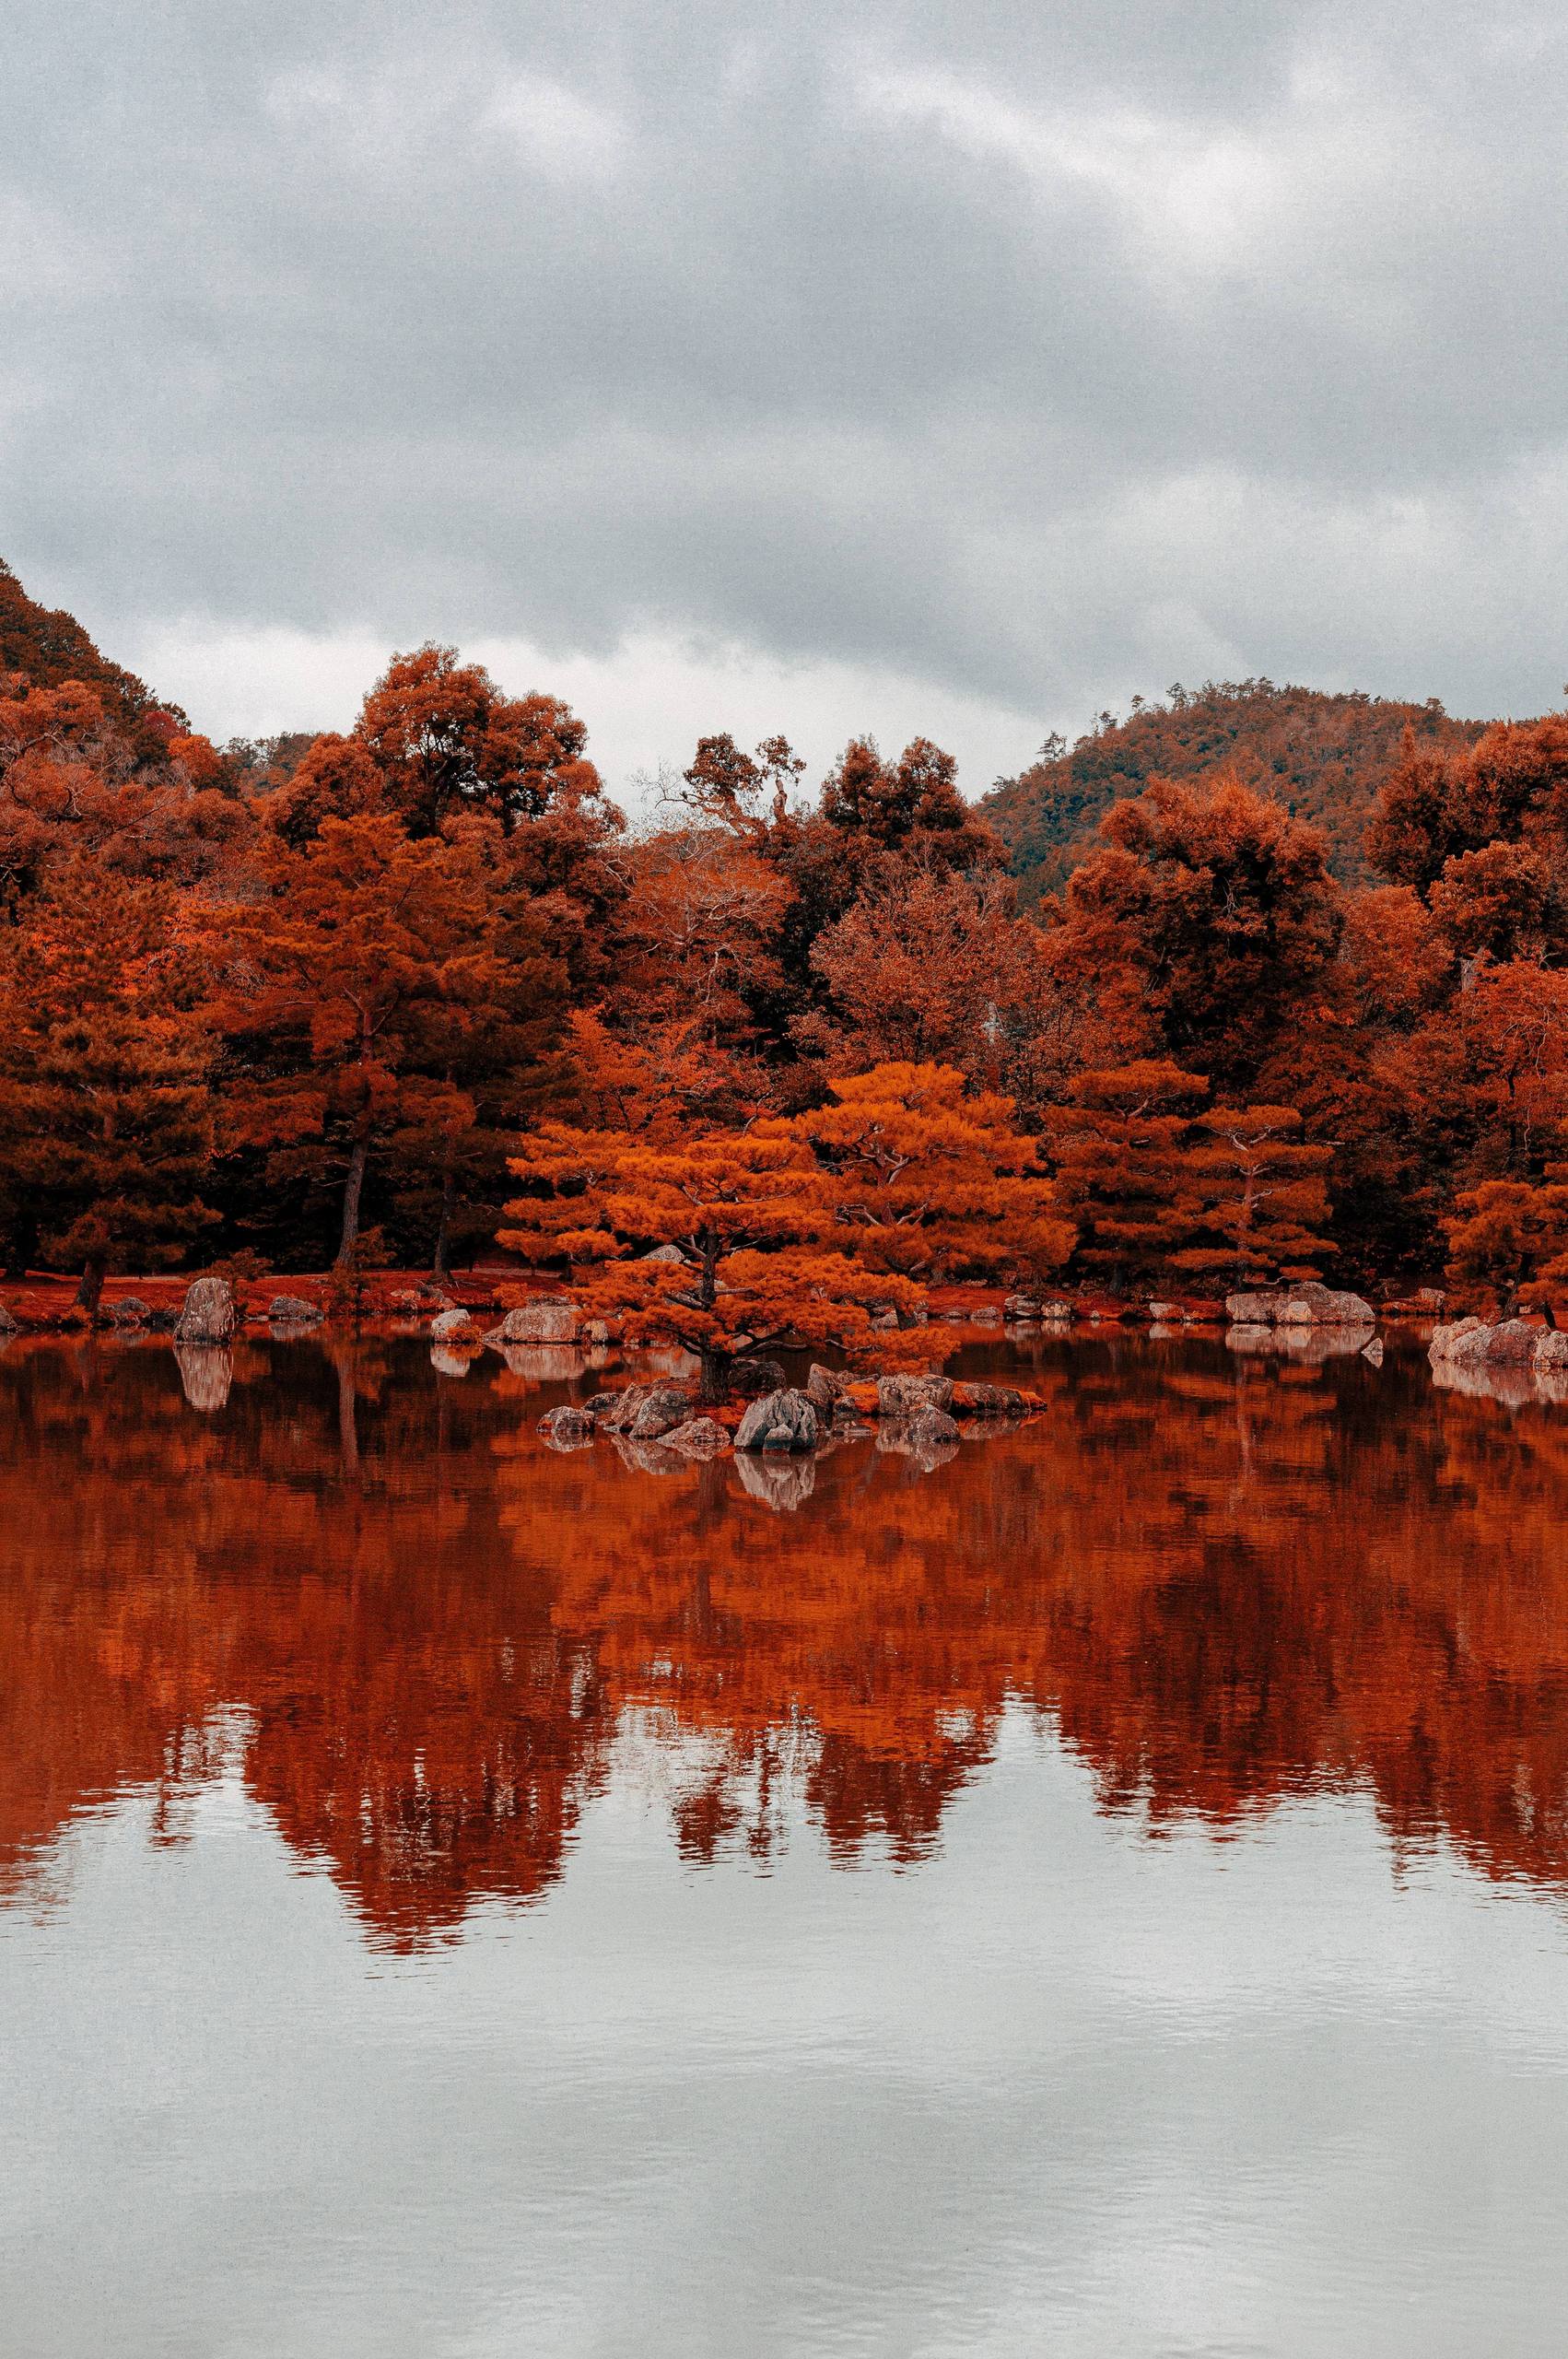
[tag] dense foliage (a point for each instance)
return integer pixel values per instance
(1322, 757)
(407, 992)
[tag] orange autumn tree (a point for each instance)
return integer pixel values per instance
(1512, 1235)
(931, 1179)
(1266, 1200)
(105, 1122)
(365, 997)
(743, 1223)
(1125, 1170)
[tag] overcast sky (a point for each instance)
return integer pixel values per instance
(954, 367)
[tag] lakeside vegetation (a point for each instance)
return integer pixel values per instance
(391, 996)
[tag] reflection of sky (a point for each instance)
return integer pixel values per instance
(1063, 2088)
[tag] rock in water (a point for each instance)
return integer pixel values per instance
(209, 1316)
(293, 1311)
(750, 1378)
(617, 1411)
(1552, 1349)
(1373, 1351)
(660, 1410)
(450, 1326)
(8, 1324)
(1309, 1305)
(129, 1311)
(1461, 1339)
(992, 1400)
(698, 1438)
(568, 1427)
(824, 1388)
(1513, 1345)
(901, 1396)
(782, 1420)
(551, 1319)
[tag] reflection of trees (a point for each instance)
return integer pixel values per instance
(1223, 1582)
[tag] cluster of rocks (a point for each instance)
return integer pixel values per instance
(913, 1415)
(1510, 1343)
(1309, 1305)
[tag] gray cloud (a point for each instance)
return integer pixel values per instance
(1027, 357)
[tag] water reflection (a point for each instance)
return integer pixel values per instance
(1224, 1578)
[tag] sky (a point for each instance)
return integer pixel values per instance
(939, 369)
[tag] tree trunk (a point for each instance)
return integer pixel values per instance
(21, 1246)
(352, 1192)
(89, 1294)
(440, 1269)
(713, 1378)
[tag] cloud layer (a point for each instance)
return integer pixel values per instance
(965, 369)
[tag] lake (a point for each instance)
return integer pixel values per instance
(1105, 1893)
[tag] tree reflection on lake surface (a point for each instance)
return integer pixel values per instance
(1101, 1892)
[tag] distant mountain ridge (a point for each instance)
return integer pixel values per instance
(1323, 755)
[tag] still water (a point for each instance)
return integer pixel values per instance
(1107, 1894)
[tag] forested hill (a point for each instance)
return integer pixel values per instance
(48, 646)
(1324, 756)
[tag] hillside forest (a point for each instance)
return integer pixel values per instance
(1257, 984)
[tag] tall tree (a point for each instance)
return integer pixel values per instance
(105, 1121)
(745, 1225)
(1264, 1202)
(1222, 908)
(1127, 1174)
(358, 992)
(930, 1179)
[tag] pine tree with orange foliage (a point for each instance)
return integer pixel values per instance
(932, 1178)
(368, 996)
(1265, 1199)
(1512, 1235)
(743, 1225)
(105, 1121)
(1125, 1170)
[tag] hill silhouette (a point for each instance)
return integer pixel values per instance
(48, 646)
(1323, 755)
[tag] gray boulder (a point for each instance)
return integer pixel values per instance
(551, 1319)
(210, 1315)
(7, 1323)
(1461, 1339)
(901, 1396)
(1021, 1307)
(783, 1420)
(1306, 1305)
(1552, 1349)
(995, 1401)
(617, 1411)
(293, 1311)
(568, 1427)
(129, 1311)
(751, 1377)
(1513, 1345)
(664, 1253)
(450, 1326)
(660, 1410)
(698, 1438)
(824, 1388)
